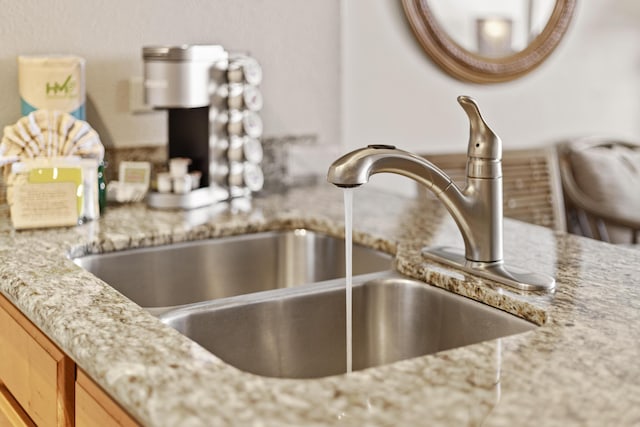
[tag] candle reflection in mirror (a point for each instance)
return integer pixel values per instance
(494, 35)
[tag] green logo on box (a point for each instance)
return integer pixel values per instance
(64, 90)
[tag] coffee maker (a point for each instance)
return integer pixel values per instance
(191, 82)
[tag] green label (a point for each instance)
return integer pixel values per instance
(65, 90)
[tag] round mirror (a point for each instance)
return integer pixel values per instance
(488, 41)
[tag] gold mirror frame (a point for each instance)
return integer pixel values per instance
(471, 67)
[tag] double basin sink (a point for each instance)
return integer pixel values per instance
(273, 303)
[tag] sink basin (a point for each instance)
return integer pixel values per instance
(177, 274)
(300, 333)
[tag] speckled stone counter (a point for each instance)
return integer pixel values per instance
(580, 367)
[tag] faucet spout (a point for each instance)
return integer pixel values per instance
(354, 168)
(476, 208)
(472, 209)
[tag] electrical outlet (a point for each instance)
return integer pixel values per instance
(136, 97)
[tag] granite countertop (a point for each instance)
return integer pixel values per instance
(580, 367)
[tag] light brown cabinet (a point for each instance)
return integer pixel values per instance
(11, 413)
(34, 371)
(38, 381)
(95, 408)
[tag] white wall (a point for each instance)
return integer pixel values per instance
(393, 94)
(296, 42)
(389, 91)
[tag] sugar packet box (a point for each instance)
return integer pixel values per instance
(52, 82)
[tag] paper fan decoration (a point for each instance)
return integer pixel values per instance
(47, 133)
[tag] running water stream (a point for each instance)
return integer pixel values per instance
(348, 236)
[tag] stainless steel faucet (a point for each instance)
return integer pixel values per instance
(476, 208)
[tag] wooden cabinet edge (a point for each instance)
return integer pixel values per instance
(69, 379)
(88, 393)
(65, 367)
(31, 329)
(66, 396)
(11, 410)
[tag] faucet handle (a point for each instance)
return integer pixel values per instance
(483, 142)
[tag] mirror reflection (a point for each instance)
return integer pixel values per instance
(492, 28)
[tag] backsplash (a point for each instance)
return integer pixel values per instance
(155, 154)
(278, 159)
(275, 164)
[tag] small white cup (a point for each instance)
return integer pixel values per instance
(181, 184)
(195, 179)
(179, 166)
(164, 182)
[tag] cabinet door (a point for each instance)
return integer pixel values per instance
(95, 408)
(34, 370)
(11, 413)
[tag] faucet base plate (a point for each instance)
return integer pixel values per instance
(511, 276)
